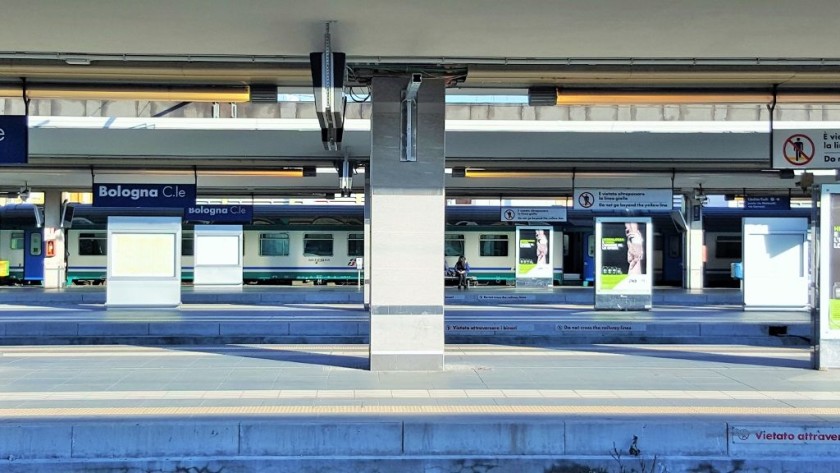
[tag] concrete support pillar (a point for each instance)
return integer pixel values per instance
(694, 244)
(366, 259)
(407, 212)
(55, 266)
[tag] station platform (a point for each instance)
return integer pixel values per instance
(308, 408)
(533, 381)
(269, 295)
(565, 316)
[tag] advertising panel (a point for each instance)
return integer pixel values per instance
(623, 265)
(830, 262)
(534, 259)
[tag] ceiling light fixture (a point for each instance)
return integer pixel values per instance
(542, 96)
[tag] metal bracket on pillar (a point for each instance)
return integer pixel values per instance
(25, 96)
(328, 78)
(345, 175)
(772, 108)
(408, 148)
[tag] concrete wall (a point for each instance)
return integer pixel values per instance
(537, 444)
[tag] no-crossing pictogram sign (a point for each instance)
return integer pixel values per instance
(586, 199)
(798, 149)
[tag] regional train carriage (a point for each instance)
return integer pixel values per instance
(317, 253)
(491, 252)
(21, 244)
(275, 254)
(278, 255)
(322, 243)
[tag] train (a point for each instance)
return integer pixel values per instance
(322, 244)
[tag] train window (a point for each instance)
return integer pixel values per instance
(453, 245)
(728, 246)
(187, 245)
(590, 246)
(35, 244)
(356, 244)
(16, 242)
(317, 244)
(565, 244)
(274, 244)
(494, 245)
(93, 244)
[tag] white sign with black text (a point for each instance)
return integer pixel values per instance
(620, 199)
(806, 149)
(533, 214)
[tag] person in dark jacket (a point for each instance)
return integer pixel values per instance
(461, 269)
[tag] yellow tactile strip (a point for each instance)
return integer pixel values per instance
(421, 410)
(420, 394)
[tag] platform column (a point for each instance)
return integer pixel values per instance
(55, 266)
(366, 258)
(694, 244)
(407, 211)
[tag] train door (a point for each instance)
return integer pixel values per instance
(672, 270)
(33, 255)
(588, 258)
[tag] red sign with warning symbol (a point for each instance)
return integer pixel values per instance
(798, 149)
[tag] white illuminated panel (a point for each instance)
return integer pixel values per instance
(143, 255)
(217, 250)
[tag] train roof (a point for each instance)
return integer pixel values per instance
(17, 215)
(715, 218)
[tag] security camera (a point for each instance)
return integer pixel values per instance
(23, 194)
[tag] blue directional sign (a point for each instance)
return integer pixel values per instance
(219, 214)
(14, 139)
(143, 195)
(766, 202)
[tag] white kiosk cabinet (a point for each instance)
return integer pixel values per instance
(775, 254)
(217, 256)
(144, 262)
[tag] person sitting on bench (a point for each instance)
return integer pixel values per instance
(462, 268)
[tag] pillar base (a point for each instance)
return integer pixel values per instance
(406, 362)
(829, 354)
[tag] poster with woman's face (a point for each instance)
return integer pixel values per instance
(623, 257)
(834, 265)
(534, 253)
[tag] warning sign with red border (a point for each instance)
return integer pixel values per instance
(806, 149)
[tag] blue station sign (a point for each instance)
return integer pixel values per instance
(219, 214)
(14, 139)
(143, 195)
(766, 202)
